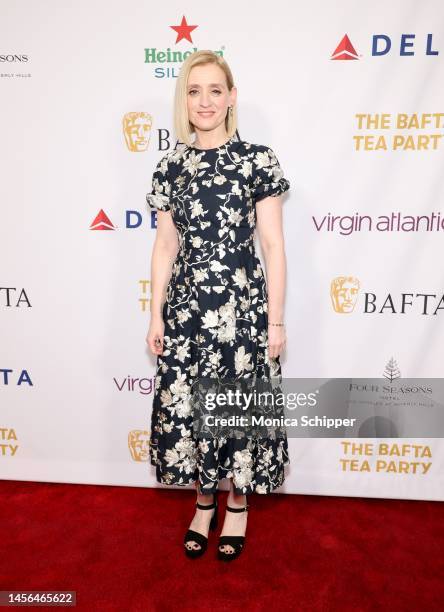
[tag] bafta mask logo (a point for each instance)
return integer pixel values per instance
(344, 293)
(137, 131)
(138, 443)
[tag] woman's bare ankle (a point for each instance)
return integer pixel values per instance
(235, 500)
(205, 500)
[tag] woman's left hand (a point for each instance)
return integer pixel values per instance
(276, 340)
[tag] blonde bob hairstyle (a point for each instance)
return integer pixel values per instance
(182, 125)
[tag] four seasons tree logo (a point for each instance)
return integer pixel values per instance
(392, 371)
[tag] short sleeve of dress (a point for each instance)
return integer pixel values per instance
(159, 197)
(268, 176)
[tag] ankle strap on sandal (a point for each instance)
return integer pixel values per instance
(231, 509)
(210, 506)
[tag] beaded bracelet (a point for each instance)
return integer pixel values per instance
(279, 324)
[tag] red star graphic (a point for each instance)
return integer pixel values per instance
(183, 30)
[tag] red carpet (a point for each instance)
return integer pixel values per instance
(120, 548)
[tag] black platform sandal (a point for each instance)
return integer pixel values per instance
(236, 542)
(198, 538)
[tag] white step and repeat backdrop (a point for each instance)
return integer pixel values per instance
(352, 104)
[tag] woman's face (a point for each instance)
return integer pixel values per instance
(208, 97)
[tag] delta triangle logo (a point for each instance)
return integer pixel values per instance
(102, 222)
(345, 50)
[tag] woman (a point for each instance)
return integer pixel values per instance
(210, 312)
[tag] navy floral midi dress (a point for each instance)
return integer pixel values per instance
(215, 312)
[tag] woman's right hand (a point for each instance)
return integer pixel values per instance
(154, 337)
